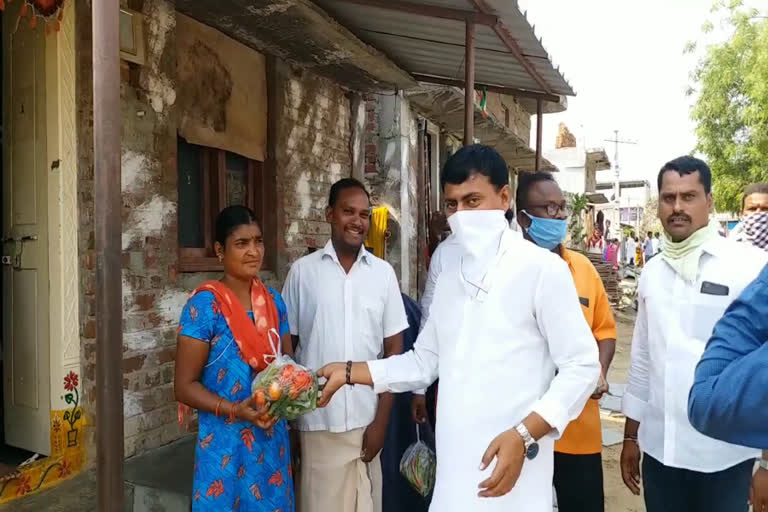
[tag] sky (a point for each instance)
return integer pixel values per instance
(625, 61)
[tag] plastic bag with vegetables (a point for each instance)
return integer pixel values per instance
(289, 388)
(418, 466)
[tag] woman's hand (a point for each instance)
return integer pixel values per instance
(247, 410)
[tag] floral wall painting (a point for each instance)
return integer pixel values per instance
(74, 414)
(67, 454)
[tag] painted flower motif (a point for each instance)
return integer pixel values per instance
(193, 313)
(236, 505)
(256, 491)
(276, 478)
(270, 432)
(261, 459)
(56, 423)
(236, 388)
(25, 485)
(222, 374)
(216, 308)
(65, 469)
(248, 438)
(241, 472)
(282, 451)
(216, 489)
(197, 495)
(225, 461)
(70, 381)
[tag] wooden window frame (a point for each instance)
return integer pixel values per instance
(213, 179)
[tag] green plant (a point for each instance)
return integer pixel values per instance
(577, 204)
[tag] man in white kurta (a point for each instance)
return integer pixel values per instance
(508, 340)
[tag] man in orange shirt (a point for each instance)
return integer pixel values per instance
(578, 475)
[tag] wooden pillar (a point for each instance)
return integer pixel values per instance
(108, 234)
(539, 122)
(469, 85)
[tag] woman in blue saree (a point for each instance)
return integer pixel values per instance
(227, 333)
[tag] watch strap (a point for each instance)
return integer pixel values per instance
(527, 438)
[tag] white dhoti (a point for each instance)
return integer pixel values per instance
(333, 477)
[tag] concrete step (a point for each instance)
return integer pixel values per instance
(161, 480)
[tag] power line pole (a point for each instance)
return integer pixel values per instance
(616, 173)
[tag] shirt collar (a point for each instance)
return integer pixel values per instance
(330, 251)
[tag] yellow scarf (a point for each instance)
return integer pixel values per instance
(684, 256)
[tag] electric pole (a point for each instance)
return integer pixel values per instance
(616, 184)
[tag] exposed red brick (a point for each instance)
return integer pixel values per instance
(89, 331)
(167, 355)
(133, 363)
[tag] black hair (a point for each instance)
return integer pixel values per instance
(688, 165)
(650, 233)
(344, 184)
(755, 188)
(525, 181)
(475, 159)
(231, 218)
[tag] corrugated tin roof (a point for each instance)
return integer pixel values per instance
(435, 46)
(445, 107)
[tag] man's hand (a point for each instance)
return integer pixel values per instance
(419, 408)
(336, 376)
(508, 449)
(630, 466)
(758, 493)
(373, 440)
(601, 389)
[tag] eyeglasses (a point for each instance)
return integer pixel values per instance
(552, 209)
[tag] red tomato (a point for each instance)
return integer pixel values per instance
(260, 397)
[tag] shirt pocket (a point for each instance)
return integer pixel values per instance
(370, 314)
(706, 311)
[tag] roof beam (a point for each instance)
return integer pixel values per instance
(510, 91)
(432, 11)
(509, 41)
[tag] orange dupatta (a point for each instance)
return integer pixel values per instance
(254, 339)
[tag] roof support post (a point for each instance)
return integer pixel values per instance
(108, 230)
(469, 84)
(539, 123)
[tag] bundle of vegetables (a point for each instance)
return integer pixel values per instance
(290, 389)
(418, 466)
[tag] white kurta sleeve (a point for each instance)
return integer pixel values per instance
(636, 395)
(571, 345)
(435, 268)
(415, 369)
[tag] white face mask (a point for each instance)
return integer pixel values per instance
(478, 231)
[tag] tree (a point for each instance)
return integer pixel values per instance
(650, 220)
(731, 109)
(577, 203)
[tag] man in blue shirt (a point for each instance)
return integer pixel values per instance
(730, 389)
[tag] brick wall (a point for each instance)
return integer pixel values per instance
(312, 152)
(312, 137)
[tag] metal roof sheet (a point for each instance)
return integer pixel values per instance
(428, 45)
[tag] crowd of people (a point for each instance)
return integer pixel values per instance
(516, 333)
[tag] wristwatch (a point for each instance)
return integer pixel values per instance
(531, 446)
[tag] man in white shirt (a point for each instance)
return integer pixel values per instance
(631, 246)
(648, 250)
(506, 335)
(681, 295)
(656, 243)
(344, 303)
